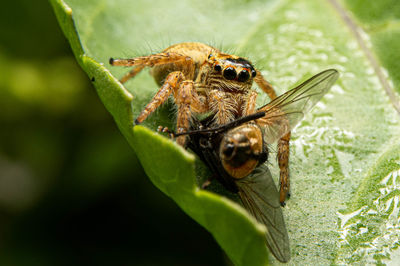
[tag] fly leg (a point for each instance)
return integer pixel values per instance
(206, 183)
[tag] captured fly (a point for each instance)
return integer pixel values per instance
(235, 152)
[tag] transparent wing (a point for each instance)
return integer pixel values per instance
(261, 198)
(283, 113)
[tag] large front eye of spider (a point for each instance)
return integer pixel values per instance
(243, 75)
(229, 73)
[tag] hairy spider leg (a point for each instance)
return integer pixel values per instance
(283, 144)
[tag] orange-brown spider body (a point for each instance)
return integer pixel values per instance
(203, 80)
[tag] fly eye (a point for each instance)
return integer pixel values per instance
(229, 73)
(243, 76)
(217, 68)
(253, 73)
(228, 149)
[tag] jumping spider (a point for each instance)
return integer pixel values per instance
(203, 80)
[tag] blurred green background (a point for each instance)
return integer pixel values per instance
(69, 194)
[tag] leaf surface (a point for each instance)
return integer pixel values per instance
(338, 152)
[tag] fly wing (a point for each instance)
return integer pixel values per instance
(261, 198)
(283, 113)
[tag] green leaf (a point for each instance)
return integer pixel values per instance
(338, 153)
(369, 228)
(381, 21)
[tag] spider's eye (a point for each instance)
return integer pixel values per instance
(229, 73)
(210, 56)
(243, 76)
(253, 73)
(217, 68)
